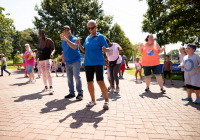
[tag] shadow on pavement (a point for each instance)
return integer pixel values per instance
(152, 95)
(30, 97)
(192, 104)
(19, 84)
(85, 116)
(113, 96)
(57, 105)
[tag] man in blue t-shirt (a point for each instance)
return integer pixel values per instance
(72, 59)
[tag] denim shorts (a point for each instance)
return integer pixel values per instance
(155, 69)
(29, 68)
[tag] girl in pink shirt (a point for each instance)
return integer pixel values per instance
(138, 67)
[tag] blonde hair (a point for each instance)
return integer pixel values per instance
(27, 45)
(93, 22)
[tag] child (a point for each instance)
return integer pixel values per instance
(168, 70)
(54, 67)
(138, 67)
(191, 66)
(39, 70)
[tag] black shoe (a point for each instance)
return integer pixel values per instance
(147, 89)
(163, 90)
(79, 97)
(9, 74)
(70, 96)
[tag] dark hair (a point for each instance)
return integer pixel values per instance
(146, 39)
(192, 44)
(107, 40)
(42, 30)
(167, 56)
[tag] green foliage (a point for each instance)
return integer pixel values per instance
(117, 35)
(17, 59)
(6, 30)
(173, 21)
(135, 51)
(54, 14)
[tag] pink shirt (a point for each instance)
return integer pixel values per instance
(62, 58)
(138, 66)
(31, 61)
(113, 53)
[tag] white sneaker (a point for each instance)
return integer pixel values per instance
(63, 75)
(33, 81)
(44, 90)
(112, 89)
(51, 91)
(116, 90)
(109, 88)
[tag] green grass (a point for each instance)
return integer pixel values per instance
(174, 76)
(9, 62)
(12, 67)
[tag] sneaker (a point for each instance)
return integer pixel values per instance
(116, 90)
(79, 97)
(9, 74)
(112, 89)
(56, 75)
(51, 91)
(147, 89)
(135, 80)
(163, 90)
(62, 75)
(33, 81)
(70, 96)
(44, 90)
(109, 88)
(197, 101)
(186, 99)
(122, 77)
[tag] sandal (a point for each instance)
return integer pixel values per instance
(106, 106)
(197, 101)
(90, 104)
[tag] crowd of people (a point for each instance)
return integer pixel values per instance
(94, 47)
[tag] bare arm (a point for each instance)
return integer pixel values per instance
(163, 68)
(104, 49)
(171, 67)
(80, 46)
(52, 47)
(71, 44)
(159, 49)
(140, 49)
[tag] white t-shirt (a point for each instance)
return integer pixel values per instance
(181, 60)
(113, 53)
(3, 59)
(192, 77)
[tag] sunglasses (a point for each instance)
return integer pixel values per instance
(91, 28)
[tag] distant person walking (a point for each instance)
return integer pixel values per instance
(72, 61)
(45, 51)
(150, 61)
(181, 56)
(123, 65)
(3, 65)
(114, 60)
(94, 46)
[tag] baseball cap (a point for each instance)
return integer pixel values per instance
(66, 26)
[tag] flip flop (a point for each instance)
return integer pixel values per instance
(90, 104)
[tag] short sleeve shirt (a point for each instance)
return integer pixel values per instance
(167, 65)
(3, 59)
(31, 61)
(70, 55)
(123, 58)
(93, 50)
(192, 77)
(113, 53)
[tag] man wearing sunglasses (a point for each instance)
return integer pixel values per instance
(72, 59)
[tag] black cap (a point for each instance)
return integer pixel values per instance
(66, 26)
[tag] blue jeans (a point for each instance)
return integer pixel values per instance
(4, 69)
(74, 70)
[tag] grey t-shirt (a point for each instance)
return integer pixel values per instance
(3, 59)
(192, 77)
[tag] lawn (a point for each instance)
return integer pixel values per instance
(12, 67)
(175, 75)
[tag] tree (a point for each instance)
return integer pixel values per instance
(173, 21)
(135, 50)
(174, 54)
(6, 30)
(54, 14)
(117, 35)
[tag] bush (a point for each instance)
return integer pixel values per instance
(18, 59)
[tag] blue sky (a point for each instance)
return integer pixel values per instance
(127, 13)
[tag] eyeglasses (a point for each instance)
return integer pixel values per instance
(91, 28)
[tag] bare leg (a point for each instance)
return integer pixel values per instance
(189, 91)
(159, 80)
(103, 90)
(140, 75)
(91, 91)
(197, 92)
(148, 80)
(136, 75)
(63, 69)
(164, 80)
(171, 80)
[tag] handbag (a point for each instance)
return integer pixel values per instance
(113, 63)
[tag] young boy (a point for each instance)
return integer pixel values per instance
(191, 66)
(168, 70)
(138, 67)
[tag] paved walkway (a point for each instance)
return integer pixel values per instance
(26, 113)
